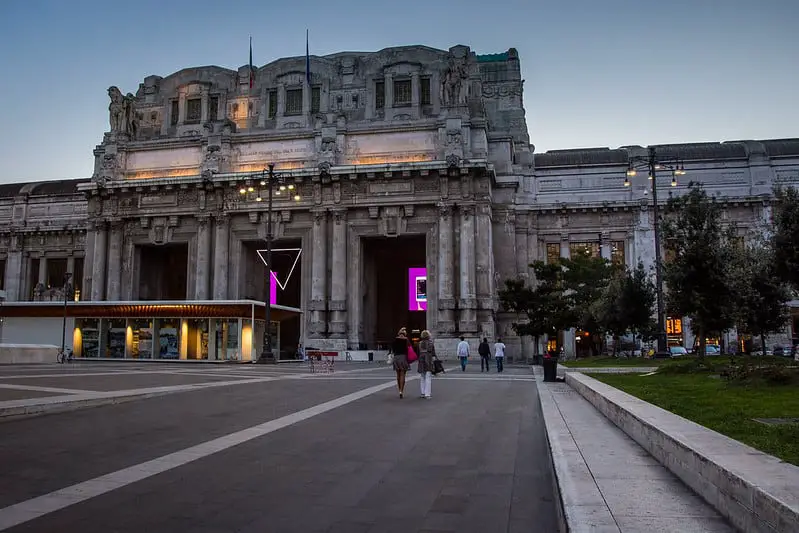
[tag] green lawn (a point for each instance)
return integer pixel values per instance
(591, 362)
(726, 408)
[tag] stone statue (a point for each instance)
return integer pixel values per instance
(453, 88)
(131, 117)
(122, 112)
(116, 110)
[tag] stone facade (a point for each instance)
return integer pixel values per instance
(404, 141)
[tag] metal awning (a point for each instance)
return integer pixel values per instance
(149, 309)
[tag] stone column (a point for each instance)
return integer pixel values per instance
(202, 272)
(13, 275)
(484, 240)
(568, 335)
(43, 270)
(416, 96)
(389, 99)
(468, 300)
(281, 100)
(355, 293)
(114, 282)
(318, 272)
(221, 249)
(605, 251)
(99, 261)
(182, 107)
(446, 269)
(338, 283)
(204, 106)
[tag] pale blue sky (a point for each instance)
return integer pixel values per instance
(598, 73)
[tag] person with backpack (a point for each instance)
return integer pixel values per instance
(485, 354)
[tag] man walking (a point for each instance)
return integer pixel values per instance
(499, 353)
(485, 353)
(463, 353)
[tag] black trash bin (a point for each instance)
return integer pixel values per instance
(371, 356)
(550, 369)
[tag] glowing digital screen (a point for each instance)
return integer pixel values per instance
(417, 289)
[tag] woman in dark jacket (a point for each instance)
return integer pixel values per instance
(399, 348)
(427, 352)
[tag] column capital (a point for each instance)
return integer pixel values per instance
(339, 215)
(318, 215)
(444, 210)
(221, 219)
(466, 210)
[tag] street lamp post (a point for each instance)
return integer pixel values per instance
(268, 179)
(652, 164)
(67, 277)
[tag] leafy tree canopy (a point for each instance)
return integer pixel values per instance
(785, 237)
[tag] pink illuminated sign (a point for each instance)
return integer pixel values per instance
(417, 289)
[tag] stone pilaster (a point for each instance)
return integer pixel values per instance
(416, 95)
(114, 281)
(568, 335)
(605, 246)
(389, 99)
(13, 275)
(338, 283)
(43, 270)
(318, 272)
(467, 302)
(221, 252)
(484, 243)
(203, 271)
(446, 269)
(99, 261)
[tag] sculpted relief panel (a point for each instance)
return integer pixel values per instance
(398, 147)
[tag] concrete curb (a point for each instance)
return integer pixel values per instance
(755, 491)
(574, 487)
(29, 409)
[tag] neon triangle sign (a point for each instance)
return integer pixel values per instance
(298, 251)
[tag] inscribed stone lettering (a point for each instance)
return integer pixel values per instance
(153, 160)
(270, 152)
(398, 147)
(397, 187)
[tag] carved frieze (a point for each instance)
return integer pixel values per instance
(501, 90)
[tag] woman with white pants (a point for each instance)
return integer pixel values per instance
(427, 352)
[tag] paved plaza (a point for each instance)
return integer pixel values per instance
(273, 449)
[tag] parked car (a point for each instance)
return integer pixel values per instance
(677, 351)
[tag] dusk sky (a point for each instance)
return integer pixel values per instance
(598, 73)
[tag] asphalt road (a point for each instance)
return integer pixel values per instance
(290, 452)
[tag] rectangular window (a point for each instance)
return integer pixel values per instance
(425, 90)
(213, 108)
(77, 277)
(380, 95)
(294, 102)
(588, 249)
(553, 252)
(272, 103)
(617, 253)
(2, 274)
(316, 95)
(402, 93)
(174, 113)
(193, 110)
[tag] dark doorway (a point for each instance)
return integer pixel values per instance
(163, 272)
(254, 285)
(388, 288)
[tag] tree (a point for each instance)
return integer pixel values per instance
(627, 303)
(698, 276)
(761, 295)
(543, 305)
(785, 236)
(585, 279)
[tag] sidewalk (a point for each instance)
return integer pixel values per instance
(609, 483)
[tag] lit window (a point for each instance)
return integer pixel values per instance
(553, 252)
(617, 253)
(587, 249)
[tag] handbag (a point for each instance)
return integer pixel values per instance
(411, 354)
(438, 366)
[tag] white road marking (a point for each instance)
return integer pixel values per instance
(22, 512)
(76, 374)
(43, 389)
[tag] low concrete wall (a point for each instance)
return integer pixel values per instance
(755, 491)
(18, 354)
(577, 495)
